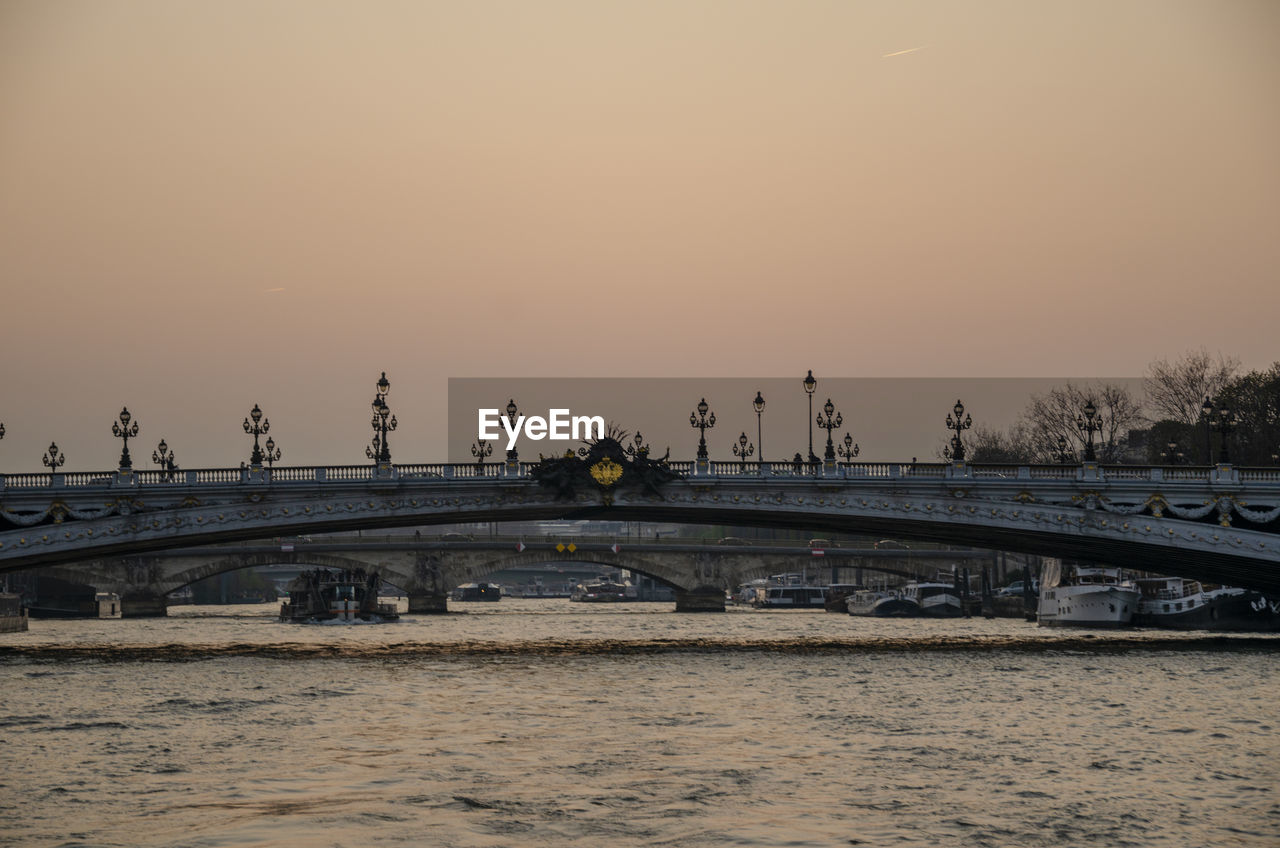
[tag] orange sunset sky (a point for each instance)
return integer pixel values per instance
(204, 205)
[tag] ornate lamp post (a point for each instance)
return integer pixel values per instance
(383, 422)
(122, 430)
(52, 459)
(959, 422)
(1225, 422)
(272, 454)
(259, 427)
(513, 413)
(1206, 409)
(758, 403)
(1089, 423)
(742, 449)
(849, 451)
(163, 457)
(828, 423)
(480, 450)
(809, 385)
(702, 423)
(1171, 455)
(639, 449)
(1064, 456)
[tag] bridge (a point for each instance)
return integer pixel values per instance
(1216, 524)
(427, 569)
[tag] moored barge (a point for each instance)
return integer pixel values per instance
(347, 595)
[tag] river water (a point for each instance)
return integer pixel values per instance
(549, 723)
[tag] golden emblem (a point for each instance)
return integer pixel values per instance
(606, 472)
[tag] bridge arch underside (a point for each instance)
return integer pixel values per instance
(1230, 555)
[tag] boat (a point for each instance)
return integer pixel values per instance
(788, 591)
(347, 596)
(599, 591)
(936, 599)
(881, 603)
(748, 593)
(476, 592)
(1181, 604)
(1086, 596)
(13, 618)
(837, 595)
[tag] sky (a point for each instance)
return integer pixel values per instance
(207, 205)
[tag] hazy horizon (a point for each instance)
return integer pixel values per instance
(204, 206)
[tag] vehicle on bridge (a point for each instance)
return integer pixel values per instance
(1086, 596)
(328, 595)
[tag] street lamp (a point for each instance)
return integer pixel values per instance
(259, 427)
(163, 457)
(849, 451)
(383, 422)
(960, 422)
(1206, 409)
(828, 423)
(272, 454)
(1064, 456)
(122, 430)
(1225, 423)
(758, 403)
(809, 385)
(639, 450)
(513, 413)
(743, 450)
(1171, 455)
(53, 459)
(702, 423)
(1089, 423)
(480, 450)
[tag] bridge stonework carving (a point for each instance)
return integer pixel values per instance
(1218, 524)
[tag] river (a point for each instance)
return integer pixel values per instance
(549, 723)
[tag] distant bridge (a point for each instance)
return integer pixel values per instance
(428, 569)
(1217, 524)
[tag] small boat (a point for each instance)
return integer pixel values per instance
(881, 603)
(476, 592)
(1086, 596)
(600, 591)
(346, 596)
(13, 618)
(791, 596)
(1182, 604)
(936, 599)
(837, 595)
(748, 593)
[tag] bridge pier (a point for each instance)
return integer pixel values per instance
(428, 603)
(144, 606)
(701, 599)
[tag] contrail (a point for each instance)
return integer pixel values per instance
(903, 52)
(269, 291)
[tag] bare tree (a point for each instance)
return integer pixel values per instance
(1000, 447)
(1052, 417)
(1176, 390)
